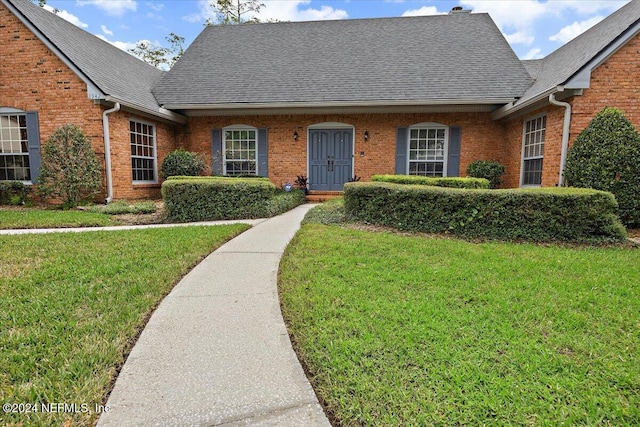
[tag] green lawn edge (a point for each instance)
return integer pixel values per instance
(72, 306)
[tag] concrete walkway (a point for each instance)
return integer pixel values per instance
(216, 351)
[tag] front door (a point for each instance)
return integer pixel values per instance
(330, 158)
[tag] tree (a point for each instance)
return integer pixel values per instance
(160, 56)
(43, 3)
(606, 156)
(235, 11)
(70, 169)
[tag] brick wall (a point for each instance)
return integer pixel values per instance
(615, 83)
(481, 139)
(32, 78)
(552, 147)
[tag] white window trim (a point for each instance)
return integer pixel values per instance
(8, 111)
(522, 159)
(430, 125)
(155, 152)
(224, 145)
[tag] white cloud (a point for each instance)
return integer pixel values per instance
(535, 53)
(590, 7)
(423, 11)
(155, 6)
(281, 10)
(120, 45)
(67, 16)
(202, 15)
(516, 15)
(106, 30)
(520, 37)
(574, 30)
(112, 7)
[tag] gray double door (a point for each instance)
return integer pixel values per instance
(330, 158)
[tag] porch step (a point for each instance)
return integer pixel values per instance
(322, 196)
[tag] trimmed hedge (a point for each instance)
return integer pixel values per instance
(543, 214)
(182, 162)
(488, 169)
(190, 199)
(13, 192)
(433, 181)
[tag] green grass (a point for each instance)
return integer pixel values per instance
(43, 218)
(71, 306)
(410, 330)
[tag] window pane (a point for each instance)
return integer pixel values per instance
(240, 152)
(426, 151)
(143, 159)
(14, 147)
(533, 150)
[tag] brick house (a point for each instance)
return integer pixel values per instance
(330, 99)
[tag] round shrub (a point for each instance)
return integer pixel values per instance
(606, 156)
(182, 163)
(70, 170)
(487, 169)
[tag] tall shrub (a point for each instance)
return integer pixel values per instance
(487, 169)
(70, 169)
(182, 163)
(606, 156)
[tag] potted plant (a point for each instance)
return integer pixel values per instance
(301, 183)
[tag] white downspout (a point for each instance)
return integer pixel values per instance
(565, 134)
(107, 150)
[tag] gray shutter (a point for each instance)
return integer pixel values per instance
(263, 153)
(216, 152)
(401, 151)
(453, 162)
(33, 139)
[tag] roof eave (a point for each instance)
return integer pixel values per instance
(261, 105)
(160, 112)
(581, 79)
(442, 105)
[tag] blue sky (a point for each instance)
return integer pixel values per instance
(534, 28)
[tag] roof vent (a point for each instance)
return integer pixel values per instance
(459, 9)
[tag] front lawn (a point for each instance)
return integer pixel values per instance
(46, 218)
(72, 305)
(412, 330)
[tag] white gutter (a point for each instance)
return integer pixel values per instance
(333, 104)
(160, 112)
(107, 150)
(565, 133)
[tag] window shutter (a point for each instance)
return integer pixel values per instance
(33, 140)
(453, 162)
(217, 154)
(263, 153)
(401, 151)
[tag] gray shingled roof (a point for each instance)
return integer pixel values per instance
(450, 57)
(556, 68)
(113, 71)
